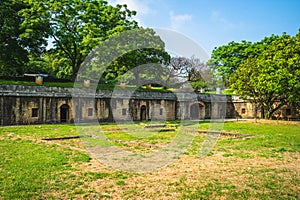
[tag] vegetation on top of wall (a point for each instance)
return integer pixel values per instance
(50, 84)
(71, 84)
(107, 86)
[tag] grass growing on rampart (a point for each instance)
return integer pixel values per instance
(80, 85)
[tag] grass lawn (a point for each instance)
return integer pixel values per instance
(263, 165)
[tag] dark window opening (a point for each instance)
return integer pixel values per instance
(90, 112)
(288, 111)
(64, 113)
(34, 112)
(243, 111)
(124, 111)
(143, 114)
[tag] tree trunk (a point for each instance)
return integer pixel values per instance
(74, 75)
(268, 115)
(74, 70)
(267, 112)
(262, 112)
(136, 76)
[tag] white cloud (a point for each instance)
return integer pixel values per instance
(217, 18)
(177, 21)
(141, 7)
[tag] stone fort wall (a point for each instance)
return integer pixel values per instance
(21, 104)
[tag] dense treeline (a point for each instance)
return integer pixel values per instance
(265, 72)
(54, 37)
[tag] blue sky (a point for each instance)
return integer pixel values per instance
(212, 23)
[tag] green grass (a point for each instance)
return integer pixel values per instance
(261, 167)
(128, 135)
(229, 92)
(268, 140)
(109, 86)
(71, 84)
(29, 170)
(49, 84)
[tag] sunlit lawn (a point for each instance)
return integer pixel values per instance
(263, 165)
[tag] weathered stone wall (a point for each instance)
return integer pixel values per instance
(21, 104)
(245, 110)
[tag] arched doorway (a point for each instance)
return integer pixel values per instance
(64, 113)
(143, 113)
(196, 111)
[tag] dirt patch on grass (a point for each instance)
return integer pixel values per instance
(212, 177)
(189, 174)
(261, 172)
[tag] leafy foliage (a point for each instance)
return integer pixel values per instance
(226, 59)
(264, 72)
(134, 66)
(134, 56)
(272, 78)
(77, 26)
(18, 43)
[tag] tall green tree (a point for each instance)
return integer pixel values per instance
(148, 57)
(272, 79)
(18, 43)
(77, 26)
(226, 59)
(136, 56)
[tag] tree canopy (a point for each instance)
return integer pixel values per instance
(141, 54)
(77, 26)
(227, 58)
(72, 29)
(18, 43)
(265, 72)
